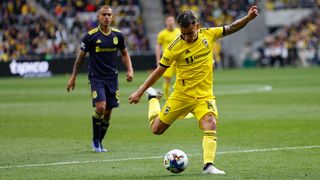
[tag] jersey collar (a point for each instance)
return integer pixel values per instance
(193, 40)
(106, 34)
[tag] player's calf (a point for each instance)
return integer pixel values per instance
(159, 127)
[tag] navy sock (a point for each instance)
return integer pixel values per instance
(104, 128)
(96, 123)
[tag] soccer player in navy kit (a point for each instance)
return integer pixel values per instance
(102, 43)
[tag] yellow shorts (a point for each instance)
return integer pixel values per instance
(170, 71)
(180, 107)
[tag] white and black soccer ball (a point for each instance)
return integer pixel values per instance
(175, 161)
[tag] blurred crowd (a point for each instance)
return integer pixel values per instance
(25, 32)
(298, 44)
(80, 16)
(290, 4)
(210, 12)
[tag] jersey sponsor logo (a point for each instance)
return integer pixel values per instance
(115, 40)
(102, 49)
(191, 59)
(98, 41)
(201, 55)
(188, 51)
(205, 42)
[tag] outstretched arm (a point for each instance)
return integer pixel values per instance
(153, 77)
(239, 24)
(158, 53)
(76, 67)
(127, 62)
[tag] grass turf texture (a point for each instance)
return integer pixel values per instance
(40, 123)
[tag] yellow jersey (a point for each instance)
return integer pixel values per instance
(194, 63)
(165, 37)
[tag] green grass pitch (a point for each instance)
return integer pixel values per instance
(45, 132)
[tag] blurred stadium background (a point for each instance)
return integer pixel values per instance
(285, 34)
(267, 89)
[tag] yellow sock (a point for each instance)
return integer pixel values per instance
(154, 109)
(209, 145)
(166, 89)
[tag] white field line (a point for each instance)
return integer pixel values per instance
(245, 90)
(152, 157)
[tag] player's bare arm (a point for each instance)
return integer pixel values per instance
(158, 52)
(76, 67)
(239, 24)
(127, 62)
(153, 77)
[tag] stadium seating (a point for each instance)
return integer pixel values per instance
(27, 33)
(79, 16)
(51, 28)
(288, 4)
(297, 44)
(211, 13)
(24, 32)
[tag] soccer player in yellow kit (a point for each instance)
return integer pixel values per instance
(164, 39)
(193, 90)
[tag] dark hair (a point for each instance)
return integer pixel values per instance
(186, 18)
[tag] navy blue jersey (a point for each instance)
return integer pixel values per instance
(102, 50)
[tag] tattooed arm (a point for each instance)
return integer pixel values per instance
(239, 24)
(76, 67)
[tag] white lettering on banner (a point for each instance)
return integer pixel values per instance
(30, 69)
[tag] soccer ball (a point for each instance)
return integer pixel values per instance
(175, 161)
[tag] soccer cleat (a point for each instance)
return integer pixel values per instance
(96, 145)
(153, 93)
(210, 169)
(103, 149)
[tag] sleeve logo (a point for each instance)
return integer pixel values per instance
(166, 110)
(83, 45)
(165, 58)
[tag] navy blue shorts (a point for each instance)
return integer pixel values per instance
(105, 90)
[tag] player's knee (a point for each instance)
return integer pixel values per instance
(100, 108)
(209, 122)
(212, 124)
